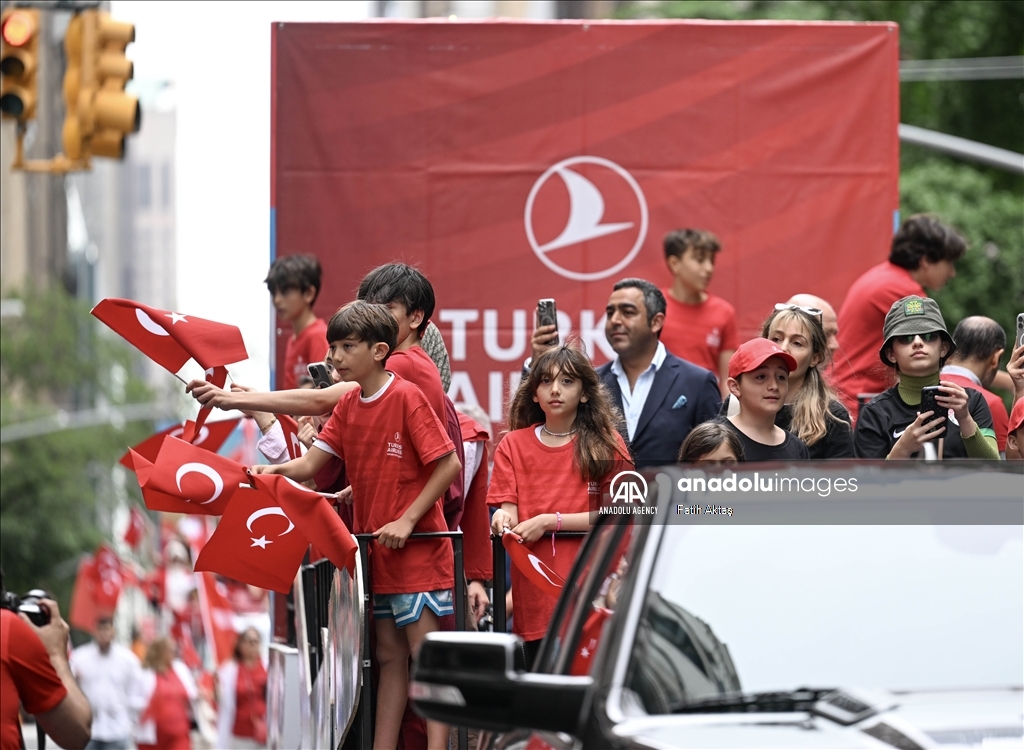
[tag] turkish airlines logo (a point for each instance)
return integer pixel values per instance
(590, 222)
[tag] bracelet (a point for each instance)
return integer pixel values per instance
(558, 527)
(270, 424)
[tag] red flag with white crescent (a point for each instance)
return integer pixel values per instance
(209, 437)
(218, 617)
(171, 339)
(195, 476)
(315, 518)
(255, 543)
(290, 428)
(219, 377)
(531, 566)
(108, 580)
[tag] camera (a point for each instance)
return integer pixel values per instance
(31, 604)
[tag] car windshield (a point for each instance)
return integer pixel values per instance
(774, 608)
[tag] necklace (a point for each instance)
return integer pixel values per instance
(558, 434)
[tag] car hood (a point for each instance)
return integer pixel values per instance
(907, 720)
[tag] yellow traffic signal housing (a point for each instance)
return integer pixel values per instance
(99, 114)
(19, 30)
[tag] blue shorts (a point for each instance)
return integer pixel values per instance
(407, 608)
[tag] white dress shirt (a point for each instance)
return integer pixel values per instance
(633, 400)
(108, 681)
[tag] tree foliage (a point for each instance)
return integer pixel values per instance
(55, 489)
(986, 205)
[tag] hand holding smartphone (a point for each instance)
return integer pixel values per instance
(321, 374)
(928, 403)
(547, 315)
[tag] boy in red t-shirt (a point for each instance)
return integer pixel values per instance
(294, 283)
(699, 327)
(399, 461)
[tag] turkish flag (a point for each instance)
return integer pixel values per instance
(290, 428)
(171, 339)
(589, 640)
(531, 566)
(314, 516)
(255, 543)
(136, 528)
(219, 377)
(218, 617)
(83, 614)
(108, 580)
(210, 437)
(183, 472)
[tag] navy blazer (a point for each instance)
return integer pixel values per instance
(681, 397)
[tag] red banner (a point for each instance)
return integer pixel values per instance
(512, 161)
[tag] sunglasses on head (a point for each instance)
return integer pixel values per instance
(925, 337)
(814, 312)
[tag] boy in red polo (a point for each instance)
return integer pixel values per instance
(294, 283)
(399, 461)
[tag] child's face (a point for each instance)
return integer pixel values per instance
(354, 360)
(791, 337)
(763, 390)
(915, 356)
(406, 321)
(722, 454)
(291, 303)
(559, 395)
(694, 268)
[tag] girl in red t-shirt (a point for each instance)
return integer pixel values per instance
(550, 470)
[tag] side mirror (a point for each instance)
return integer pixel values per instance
(478, 680)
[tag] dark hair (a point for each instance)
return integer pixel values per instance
(294, 272)
(237, 652)
(654, 300)
(364, 321)
(705, 438)
(977, 338)
(398, 282)
(598, 422)
(678, 241)
(924, 236)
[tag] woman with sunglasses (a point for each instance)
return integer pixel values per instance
(893, 425)
(812, 410)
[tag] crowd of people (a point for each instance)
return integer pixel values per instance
(883, 379)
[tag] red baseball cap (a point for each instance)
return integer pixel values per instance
(752, 354)
(1017, 415)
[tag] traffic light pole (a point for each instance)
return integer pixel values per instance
(59, 164)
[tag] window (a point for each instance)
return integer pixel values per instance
(143, 189)
(166, 186)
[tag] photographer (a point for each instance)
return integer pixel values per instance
(34, 672)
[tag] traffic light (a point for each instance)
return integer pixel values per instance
(19, 29)
(99, 114)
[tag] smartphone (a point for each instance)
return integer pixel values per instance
(1020, 330)
(928, 394)
(547, 315)
(320, 373)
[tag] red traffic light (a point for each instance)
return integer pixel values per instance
(18, 28)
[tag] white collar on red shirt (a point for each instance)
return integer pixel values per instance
(962, 372)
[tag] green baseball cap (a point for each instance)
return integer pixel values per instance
(911, 316)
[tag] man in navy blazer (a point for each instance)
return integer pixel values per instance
(661, 396)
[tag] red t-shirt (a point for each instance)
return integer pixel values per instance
(389, 444)
(856, 366)
(699, 333)
(309, 346)
(541, 479)
(475, 523)
(251, 702)
(416, 366)
(26, 676)
(1000, 419)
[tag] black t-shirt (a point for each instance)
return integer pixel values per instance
(838, 439)
(790, 449)
(882, 421)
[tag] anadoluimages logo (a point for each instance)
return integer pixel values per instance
(628, 491)
(585, 213)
